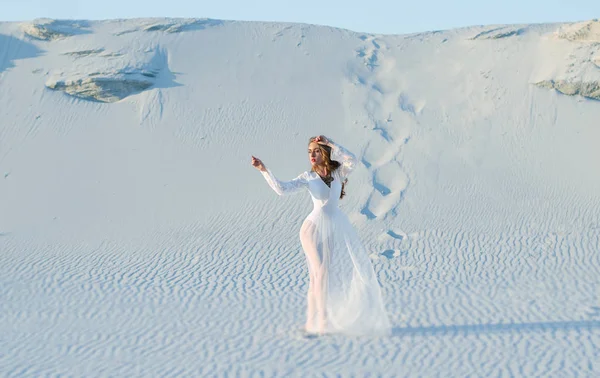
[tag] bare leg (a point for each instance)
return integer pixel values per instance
(321, 298)
(310, 305)
(316, 296)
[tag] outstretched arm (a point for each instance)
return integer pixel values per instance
(285, 187)
(280, 187)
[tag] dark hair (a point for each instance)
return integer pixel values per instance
(331, 165)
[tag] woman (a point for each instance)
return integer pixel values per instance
(343, 292)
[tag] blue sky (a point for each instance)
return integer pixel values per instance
(374, 16)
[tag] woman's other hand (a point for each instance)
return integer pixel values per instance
(322, 139)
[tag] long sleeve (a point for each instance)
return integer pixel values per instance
(285, 187)
(345, 157)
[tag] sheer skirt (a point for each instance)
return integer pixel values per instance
(343, 292)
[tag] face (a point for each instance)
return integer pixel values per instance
(314, 154)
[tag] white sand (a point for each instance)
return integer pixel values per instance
(137, 240)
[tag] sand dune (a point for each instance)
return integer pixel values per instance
(137, 240)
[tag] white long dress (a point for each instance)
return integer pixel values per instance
(343, 293)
